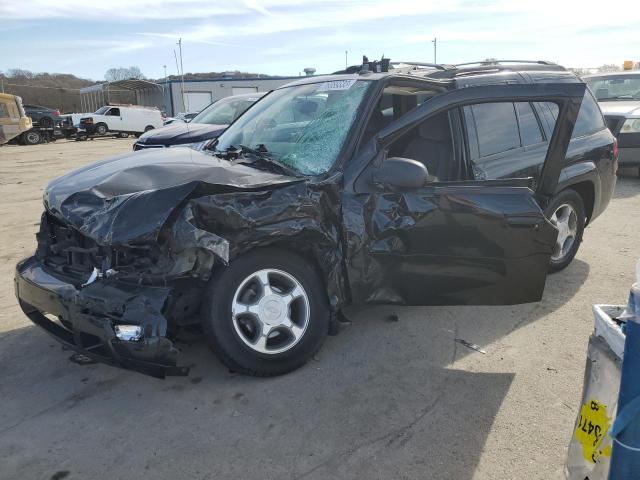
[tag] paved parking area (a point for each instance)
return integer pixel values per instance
(382, 400)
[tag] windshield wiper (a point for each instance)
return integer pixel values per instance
(618, 97)
(262, 155)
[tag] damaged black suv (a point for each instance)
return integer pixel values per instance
(408, 183)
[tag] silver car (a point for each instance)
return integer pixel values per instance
(618, 94)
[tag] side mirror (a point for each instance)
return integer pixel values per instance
(401, 173)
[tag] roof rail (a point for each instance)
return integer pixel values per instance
(500, 62)
(437, 66)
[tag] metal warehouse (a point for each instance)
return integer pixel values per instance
(167, 96)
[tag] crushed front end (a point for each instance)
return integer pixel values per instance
(112, 304)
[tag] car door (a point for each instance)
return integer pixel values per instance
(114, 119)
(464, 241)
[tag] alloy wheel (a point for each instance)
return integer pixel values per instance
(270, 311)
(565, 220)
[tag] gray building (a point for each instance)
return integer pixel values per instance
(200, 93)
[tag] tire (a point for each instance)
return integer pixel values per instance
(32, 137)
(123, 135)
(101, 129)
(235, 338)
(568, 208)
(148, 127)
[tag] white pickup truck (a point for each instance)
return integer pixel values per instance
(122, 119)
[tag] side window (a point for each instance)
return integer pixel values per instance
(497, 133)
(430, 143)
(589, 119)
(396, 101)
(496, 127)
(530, 132)
(114, 112)
(4, 112)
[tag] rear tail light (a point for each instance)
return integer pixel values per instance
(56, 113)
(615, 148)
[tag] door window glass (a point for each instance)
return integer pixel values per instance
(530, 132)
(496, 126)
(114, 112)
(4, 113)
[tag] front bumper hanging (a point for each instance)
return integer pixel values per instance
(88, 316)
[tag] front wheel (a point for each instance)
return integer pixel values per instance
(101, 129)
(32, 138)
(566, 212)
(266, 314)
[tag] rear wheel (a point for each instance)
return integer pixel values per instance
(32, 137)
(566, 212)
(148, 127)
(266, 314)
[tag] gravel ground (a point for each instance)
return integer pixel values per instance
(382, 399)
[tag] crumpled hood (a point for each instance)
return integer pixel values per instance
(127, 199)
(179, 133)
(631, 108)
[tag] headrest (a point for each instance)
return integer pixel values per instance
(306, 107)
(435, 128)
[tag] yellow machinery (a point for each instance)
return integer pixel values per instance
(13, 120)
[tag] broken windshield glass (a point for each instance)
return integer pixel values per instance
(302, 127)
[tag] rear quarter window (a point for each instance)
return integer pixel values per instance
(590, 119)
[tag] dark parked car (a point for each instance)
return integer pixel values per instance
(47, 124)
(204, 127)
(415, 186)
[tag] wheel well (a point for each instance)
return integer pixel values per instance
(305, 254)
(587, 192)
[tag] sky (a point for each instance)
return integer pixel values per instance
(282, 37)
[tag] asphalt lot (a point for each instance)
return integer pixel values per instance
(382, 400)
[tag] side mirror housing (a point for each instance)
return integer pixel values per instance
(401, 173)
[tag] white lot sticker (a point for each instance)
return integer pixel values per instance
(336, 85)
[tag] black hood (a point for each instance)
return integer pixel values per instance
(127, 199)
(180, 133)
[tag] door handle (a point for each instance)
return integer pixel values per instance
(523, 222)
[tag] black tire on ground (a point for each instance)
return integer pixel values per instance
(32, 137)
(101, 129)
(148, 127)
(123, 135)
(574, 200)
(219, 326)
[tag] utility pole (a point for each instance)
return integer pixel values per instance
(435, 50)
(164, 90)
(186, 105)
(346, 59)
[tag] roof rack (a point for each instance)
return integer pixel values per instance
(502, 62)
(437, 66)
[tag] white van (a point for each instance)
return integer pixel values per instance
(124, 119)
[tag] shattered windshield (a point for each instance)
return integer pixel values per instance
(616, 87)
(302, 127)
